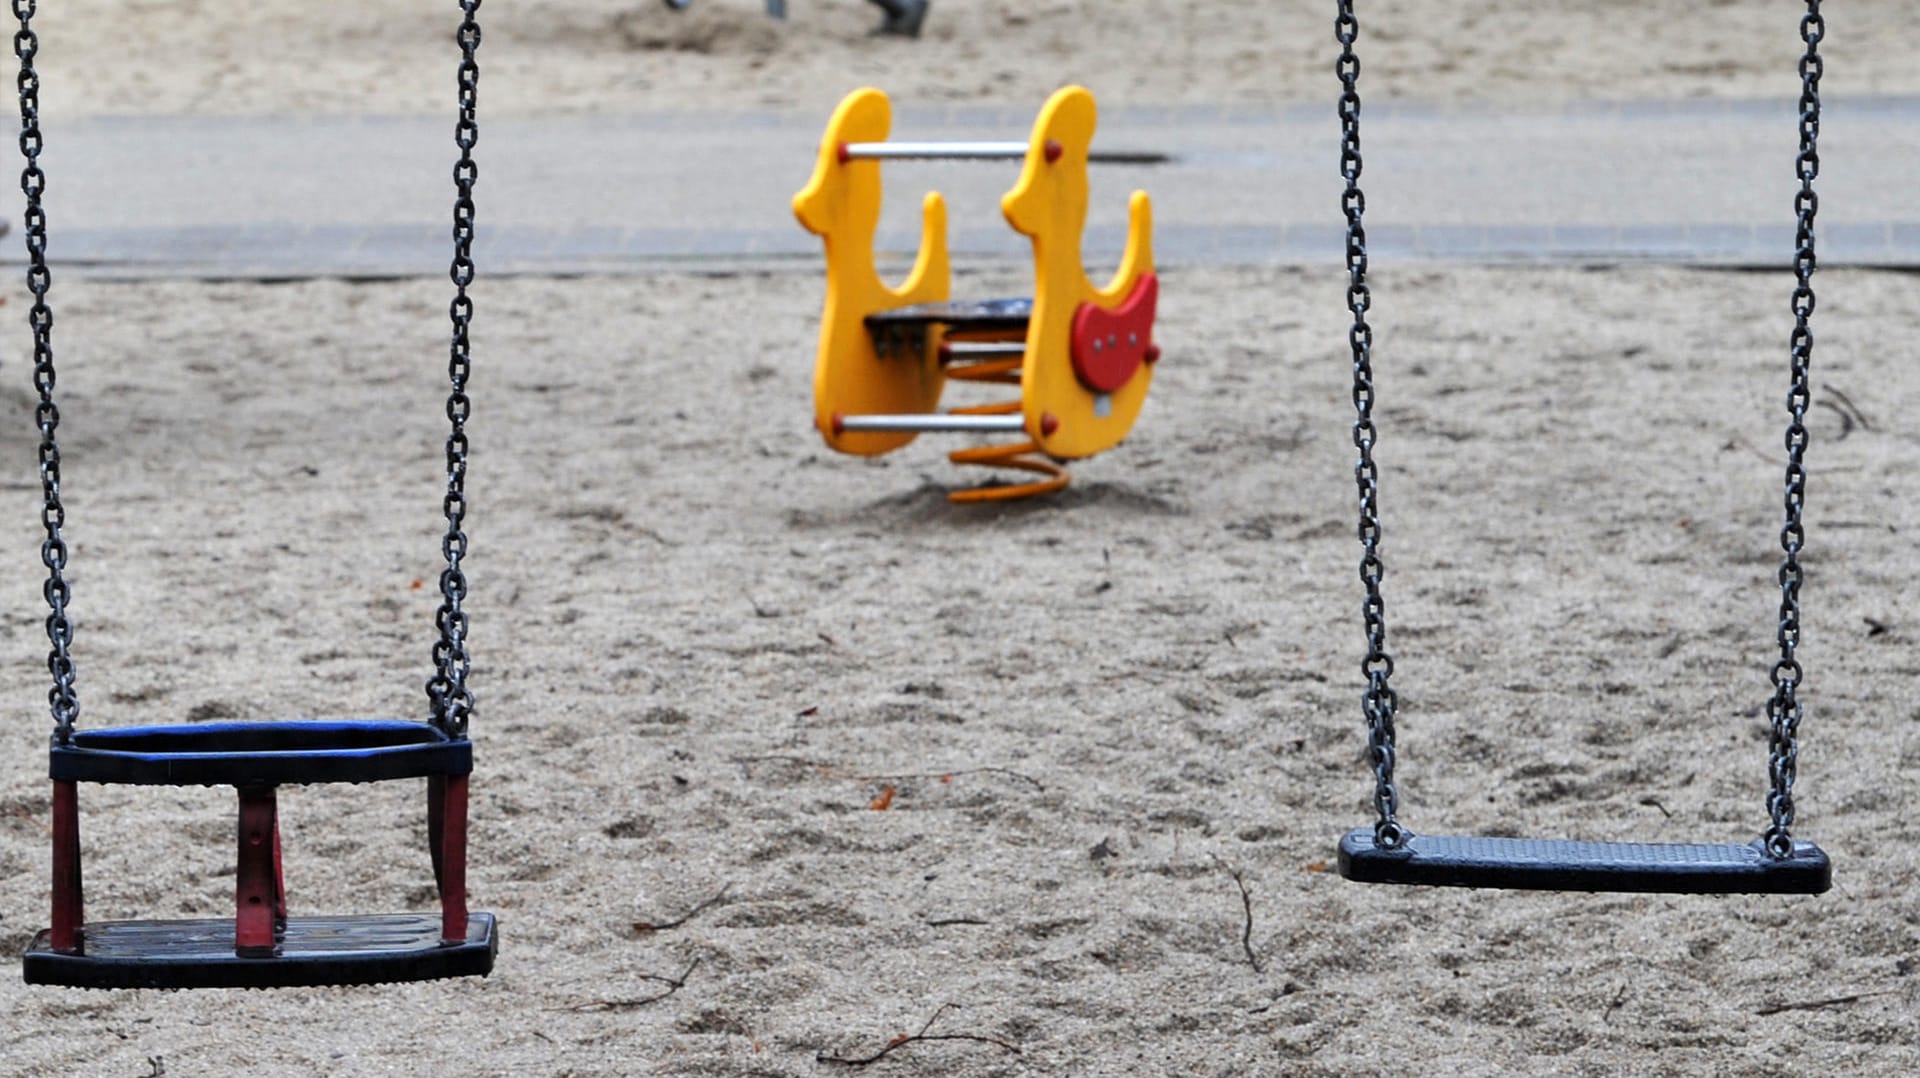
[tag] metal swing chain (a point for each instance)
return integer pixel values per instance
(1783, 709)
(450, 699)
(1379, 701)
(61, 698)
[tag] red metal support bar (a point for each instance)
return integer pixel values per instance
(436, 797)
(255, 890)
(69, 915)
(279, 882)
(448, 835)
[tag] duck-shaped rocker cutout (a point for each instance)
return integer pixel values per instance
(1082, 355)
(841, 205)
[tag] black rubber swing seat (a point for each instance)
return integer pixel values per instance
(1563, 865)
(261, 753)
(369, 949)
(959, 316)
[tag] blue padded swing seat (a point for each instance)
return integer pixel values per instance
(261, 753)
(254, 758)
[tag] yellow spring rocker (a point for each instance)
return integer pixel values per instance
(1082, 355)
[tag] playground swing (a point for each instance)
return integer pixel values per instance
(262, 946)
(1390, 853)
(1081, 354)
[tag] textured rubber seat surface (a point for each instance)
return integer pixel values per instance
(316, 951)
(959, 316)
(261, 753)
(1561, 865)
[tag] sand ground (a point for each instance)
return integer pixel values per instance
(705, 646)
(174, 56)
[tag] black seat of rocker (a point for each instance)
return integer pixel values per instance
(959, 316)
(261, 753)
(1561, 865)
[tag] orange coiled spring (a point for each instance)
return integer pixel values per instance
(1024, 455)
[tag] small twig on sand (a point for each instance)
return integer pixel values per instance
(1817, 1004)
(661, 926)
(1848, 410)
(945, 921)
(905, 1039)
(1846, 418)
(674, 984)
(1009, 772)
(1738, 442)
(1246, 904)
(23, 814)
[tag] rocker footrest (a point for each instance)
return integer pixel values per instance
(315, 951)
(959, 316)
(1559, 865)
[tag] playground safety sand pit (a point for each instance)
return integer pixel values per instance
(781, 757)
(376, 56)
(708, 651)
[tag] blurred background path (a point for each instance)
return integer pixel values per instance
(1696, 182)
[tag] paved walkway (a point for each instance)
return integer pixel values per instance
(1697, 182)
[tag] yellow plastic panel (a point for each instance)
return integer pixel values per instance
(841, 204)
(1049, 205)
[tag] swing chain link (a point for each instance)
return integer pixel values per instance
(62, 698)
(1379, 701)
(447, 693)
(1784, 709)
